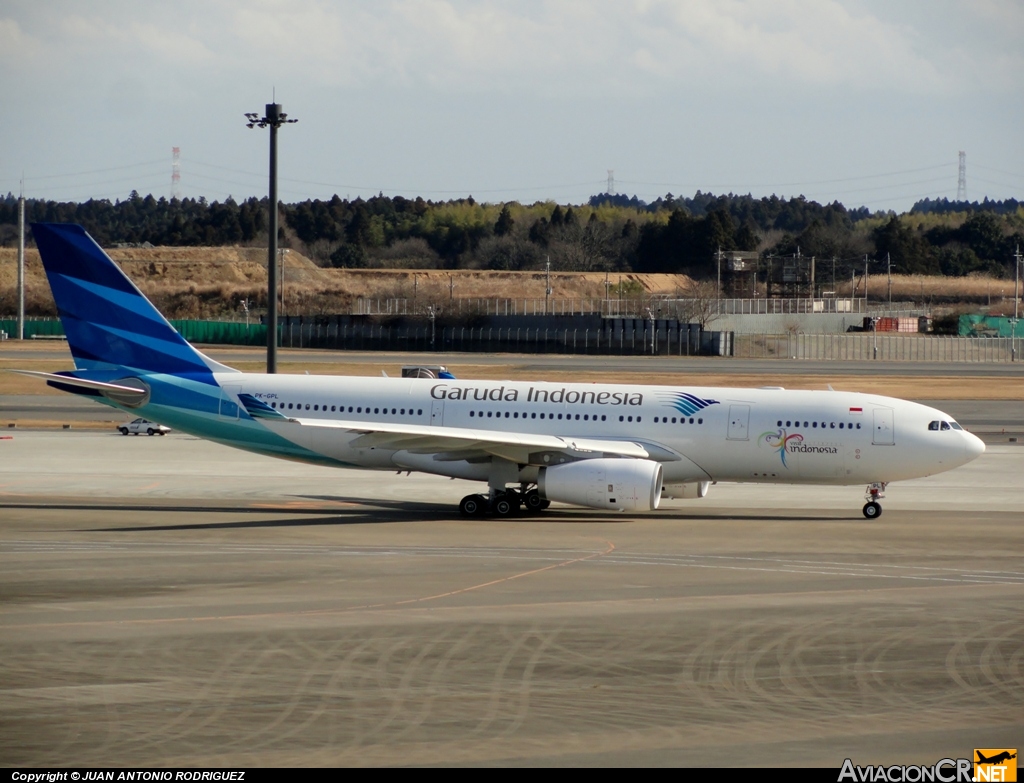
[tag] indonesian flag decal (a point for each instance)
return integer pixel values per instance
(856, 410)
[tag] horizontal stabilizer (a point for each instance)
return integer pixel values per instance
(116, 391)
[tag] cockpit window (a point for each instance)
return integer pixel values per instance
(933, 425)
(955, 426)
(945, 425)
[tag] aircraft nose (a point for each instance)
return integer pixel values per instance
(974, 447)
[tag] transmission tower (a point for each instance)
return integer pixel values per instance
(611, 182)
(961, 181)
(176, 172)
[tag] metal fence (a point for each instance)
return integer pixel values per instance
(633, 307)
(642, 340)
(895, 348)
(624, 337)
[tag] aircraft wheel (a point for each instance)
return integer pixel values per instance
(872, 510)
(505, 507)
(472, 506)
(544, 504)
(534, 502)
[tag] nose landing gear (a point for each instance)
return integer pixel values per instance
(875, 492)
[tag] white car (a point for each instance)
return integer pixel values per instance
(141, 425)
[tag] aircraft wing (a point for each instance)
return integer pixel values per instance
(459, 443)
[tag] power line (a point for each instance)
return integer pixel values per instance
(799, 184)
(96, 171)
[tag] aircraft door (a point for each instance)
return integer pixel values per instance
(437, 413)
(739, 422)
(884, 433)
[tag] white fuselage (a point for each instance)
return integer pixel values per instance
(698, 434)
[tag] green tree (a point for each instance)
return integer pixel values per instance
(503, 225)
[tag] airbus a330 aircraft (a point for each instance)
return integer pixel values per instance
(616, 447)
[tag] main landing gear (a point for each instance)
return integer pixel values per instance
(875, 492)
(504, 503)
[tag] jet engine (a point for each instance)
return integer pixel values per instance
(688, 491)
(620, 484)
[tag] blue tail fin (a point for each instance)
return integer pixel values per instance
(109, 323)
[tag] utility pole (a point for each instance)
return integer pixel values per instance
(865, 281)
(547, 282)
(21, 265)
(719, 275)
(273, 119)
(888, 271)
(280, 256)
(1016, 304)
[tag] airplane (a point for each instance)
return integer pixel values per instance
(996, 759)
(599, 446)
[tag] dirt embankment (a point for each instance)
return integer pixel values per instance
(212, 282)
(208, 282)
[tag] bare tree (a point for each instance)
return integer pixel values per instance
(700, 305)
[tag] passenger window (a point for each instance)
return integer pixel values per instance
(621, 418)
(700, 421)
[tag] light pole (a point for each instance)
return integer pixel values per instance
(273, 119)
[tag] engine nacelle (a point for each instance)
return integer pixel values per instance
(691, 490)
(620, 484)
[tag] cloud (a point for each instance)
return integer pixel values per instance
(540, 47)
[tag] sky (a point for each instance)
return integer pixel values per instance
(867, 102)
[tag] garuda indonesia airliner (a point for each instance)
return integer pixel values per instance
(601, 446)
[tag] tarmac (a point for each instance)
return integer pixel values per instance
(171, 602)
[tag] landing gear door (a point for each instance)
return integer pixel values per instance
(437, 413)
(884, 433)
(739, 421)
